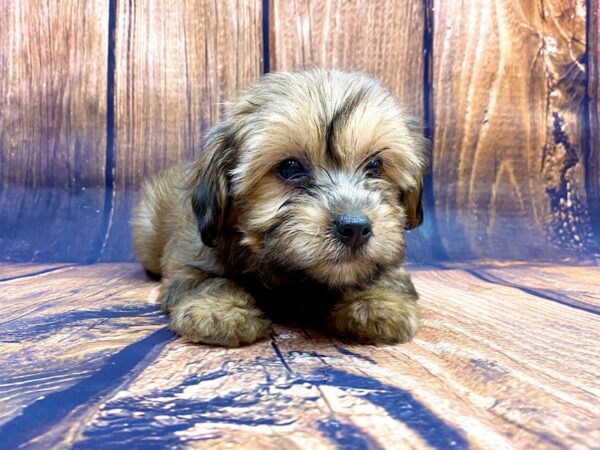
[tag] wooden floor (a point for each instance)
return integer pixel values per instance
(508, 357)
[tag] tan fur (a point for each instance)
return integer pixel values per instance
(384, 312)
(227, 230)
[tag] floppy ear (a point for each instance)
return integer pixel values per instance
(413, 205)
(412, 198)
(210, 184)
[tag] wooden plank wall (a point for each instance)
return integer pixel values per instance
(53, 69)
(174, 66)
(98, 95)
(509, 94)
(593, 180)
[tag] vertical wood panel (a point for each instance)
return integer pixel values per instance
(176, 62)
(509, 94)
(383, 38)
(593, 166)
(52, 128)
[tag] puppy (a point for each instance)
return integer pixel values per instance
(295, 210)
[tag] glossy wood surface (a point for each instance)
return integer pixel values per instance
(88, 363)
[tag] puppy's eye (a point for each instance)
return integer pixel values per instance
(373, 168)
(292, 170)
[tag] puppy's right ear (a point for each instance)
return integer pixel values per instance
(210, 184)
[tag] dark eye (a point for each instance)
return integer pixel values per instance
(373, 168)
(291, 169)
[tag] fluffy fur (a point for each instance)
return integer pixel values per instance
(237, 244)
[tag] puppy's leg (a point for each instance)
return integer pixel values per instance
(213, 311)
(385, 312)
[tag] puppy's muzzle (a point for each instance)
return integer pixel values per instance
(354, 229)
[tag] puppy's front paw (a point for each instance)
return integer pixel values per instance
(372, 317)
(224, 315)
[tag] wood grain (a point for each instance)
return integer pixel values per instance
(508, 94)
(383, 38)
(175, 65)
(60, 327)
(492, 367)
(52, 128)
(593, 161)
(578, 287)
(12, 271)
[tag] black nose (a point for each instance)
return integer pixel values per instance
(354, 230)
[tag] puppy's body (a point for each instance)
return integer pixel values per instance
(295, 209)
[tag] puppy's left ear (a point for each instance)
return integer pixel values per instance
(412, 199)
(413, 205)
(210, 184)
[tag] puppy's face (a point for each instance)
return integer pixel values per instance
(319, 172)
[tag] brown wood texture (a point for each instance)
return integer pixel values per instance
(383, 38)
(578, 287)
(492, 367)
(52, 128)
(571, 285)
(509, 83)
(62, 326)
(593, 166)
(176, 63)
(10, 271)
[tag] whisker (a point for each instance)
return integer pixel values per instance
(327, 172)
(307, 189)
(317, 232)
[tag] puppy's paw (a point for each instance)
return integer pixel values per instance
(375, 318)
(224, 317)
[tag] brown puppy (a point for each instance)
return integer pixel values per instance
(295, 209)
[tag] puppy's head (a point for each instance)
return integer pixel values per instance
(318, 172)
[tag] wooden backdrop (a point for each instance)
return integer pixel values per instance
(95, 95)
